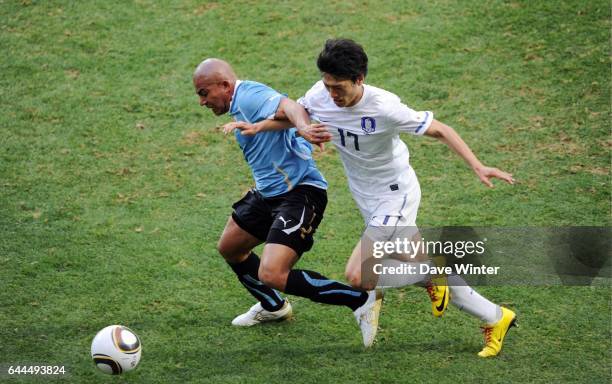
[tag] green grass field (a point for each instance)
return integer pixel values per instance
(115, 185)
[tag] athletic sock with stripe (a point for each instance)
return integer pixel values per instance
(247, 273)
(320, 289)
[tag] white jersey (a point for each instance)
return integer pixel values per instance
(376, 160)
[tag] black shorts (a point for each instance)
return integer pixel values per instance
(290, 219)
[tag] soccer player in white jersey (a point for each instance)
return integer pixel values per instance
(365, 123)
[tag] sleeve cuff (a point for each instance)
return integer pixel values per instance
(422, 128)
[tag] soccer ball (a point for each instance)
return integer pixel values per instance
(116, 349)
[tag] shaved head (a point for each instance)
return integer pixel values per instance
(214, 81)
(215, 70)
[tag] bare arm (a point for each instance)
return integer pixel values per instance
(249, 129)
(294, 112)
(451, 138)
(289, 114)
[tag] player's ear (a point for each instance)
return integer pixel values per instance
(227, 87)
(360, 79)
(225, 84)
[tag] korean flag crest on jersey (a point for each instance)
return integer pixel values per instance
(368, 124)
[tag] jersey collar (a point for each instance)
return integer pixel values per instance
(231, 109)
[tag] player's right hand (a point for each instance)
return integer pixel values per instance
(246, 129)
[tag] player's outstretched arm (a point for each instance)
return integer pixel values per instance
(316, 133)
(451, 138)
(289, 114)
(249, 129)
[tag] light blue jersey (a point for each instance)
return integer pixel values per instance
(279, 160)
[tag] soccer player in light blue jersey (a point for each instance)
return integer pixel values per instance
(285, 207)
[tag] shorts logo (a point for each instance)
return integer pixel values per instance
(289, 231)
(308, 231)
(368, 124)
(284, 221)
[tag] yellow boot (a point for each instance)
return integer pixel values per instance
(495, 333)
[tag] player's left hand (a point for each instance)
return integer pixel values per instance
(485, 174)
(316, 134)
(246, 129)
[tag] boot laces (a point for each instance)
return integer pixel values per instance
(488, 332)
(431, 291)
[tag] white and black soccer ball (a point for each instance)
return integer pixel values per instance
(116, 349)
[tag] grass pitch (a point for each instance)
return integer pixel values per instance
(115, 184)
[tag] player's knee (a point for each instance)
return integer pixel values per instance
(229, 252)
(273, 278)
(223, 249)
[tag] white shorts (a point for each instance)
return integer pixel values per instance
(392, 210)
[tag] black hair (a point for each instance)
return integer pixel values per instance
(344, 59)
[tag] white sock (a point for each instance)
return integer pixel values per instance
(468, 300)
